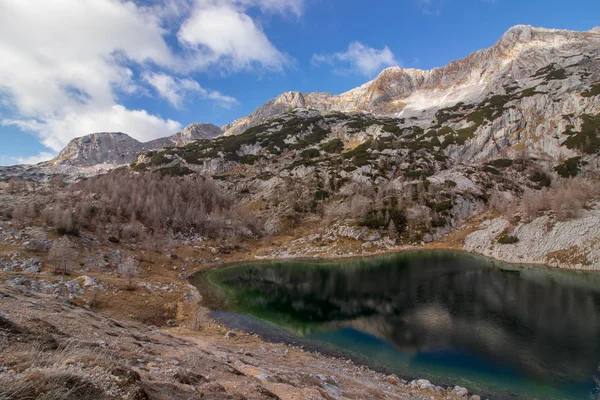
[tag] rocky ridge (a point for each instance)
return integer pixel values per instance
(99, 153)
(120, 149)
(530, 81)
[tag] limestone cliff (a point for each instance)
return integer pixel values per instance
(529, 87)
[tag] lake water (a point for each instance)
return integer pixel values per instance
(502, 330)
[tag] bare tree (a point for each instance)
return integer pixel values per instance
(19, 215)
(62, 254)
(128, 270)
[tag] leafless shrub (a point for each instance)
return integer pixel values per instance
(62, 254)
(359, 205)
(126, 206)
(534, 202)
(566, 198)
(128, 270)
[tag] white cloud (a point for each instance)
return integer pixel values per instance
(358, 58)
(35, 159)
(220, 32)
(55, 133)
(174, 90)
(431, 7)
(67, 65)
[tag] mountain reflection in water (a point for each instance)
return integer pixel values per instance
(540, 322)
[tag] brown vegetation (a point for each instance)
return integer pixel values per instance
(565, 199)
(139, 206)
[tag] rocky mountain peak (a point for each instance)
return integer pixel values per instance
(516, 57)
(196, 131)
(117, 148)
(97, 148)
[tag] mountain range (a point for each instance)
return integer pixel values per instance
(536, 90)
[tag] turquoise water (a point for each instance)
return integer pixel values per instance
(502, 330)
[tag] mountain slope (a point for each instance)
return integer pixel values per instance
(542, 74)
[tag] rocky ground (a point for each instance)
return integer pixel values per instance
(60, 350)
(85, 334)
(572, 244)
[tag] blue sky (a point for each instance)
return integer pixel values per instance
(150, 67)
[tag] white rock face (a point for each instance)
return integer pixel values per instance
(543, 241)
(514, 64)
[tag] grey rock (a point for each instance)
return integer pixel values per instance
(460, 391)
(230, 335)
(119, 148)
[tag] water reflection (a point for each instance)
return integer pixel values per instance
(543, 323)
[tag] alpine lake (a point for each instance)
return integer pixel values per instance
(501, 330)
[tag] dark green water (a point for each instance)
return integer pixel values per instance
(498, 329)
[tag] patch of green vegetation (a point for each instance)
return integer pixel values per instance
(446, 114)
(316, 135)
(508, 239)
(542, 179)
(491, 170)
(442, 207)
(415, 131)
(570, 168)
(176, 170)
(439, 157)
(489, 109)
(392, 128)
(380, 218)
(445, 130)
(249, 159)
(501, 162)
(593, 91)
(417, 174)
(459, 137)
(310, 153)
(450, 183)
(360, 124)
(333, 146)
(158, 159)
(588, 139)
(138, 167)
(360, 156)
(551, 72)
(301, 163)
(528, 93)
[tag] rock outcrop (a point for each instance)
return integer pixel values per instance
(120, 149)
(573, 243)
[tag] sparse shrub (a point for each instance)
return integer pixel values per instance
(333, 146)
(442, 206)
(113, 239)
(569, 168)
(508, 239)
(541, 178)
(491, 170)
(310, 153)
(501, 163)
(62, 254)
(128, 270)
(592, 91)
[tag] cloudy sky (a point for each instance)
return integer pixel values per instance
(149, 68)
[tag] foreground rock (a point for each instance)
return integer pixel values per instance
(51, 348)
